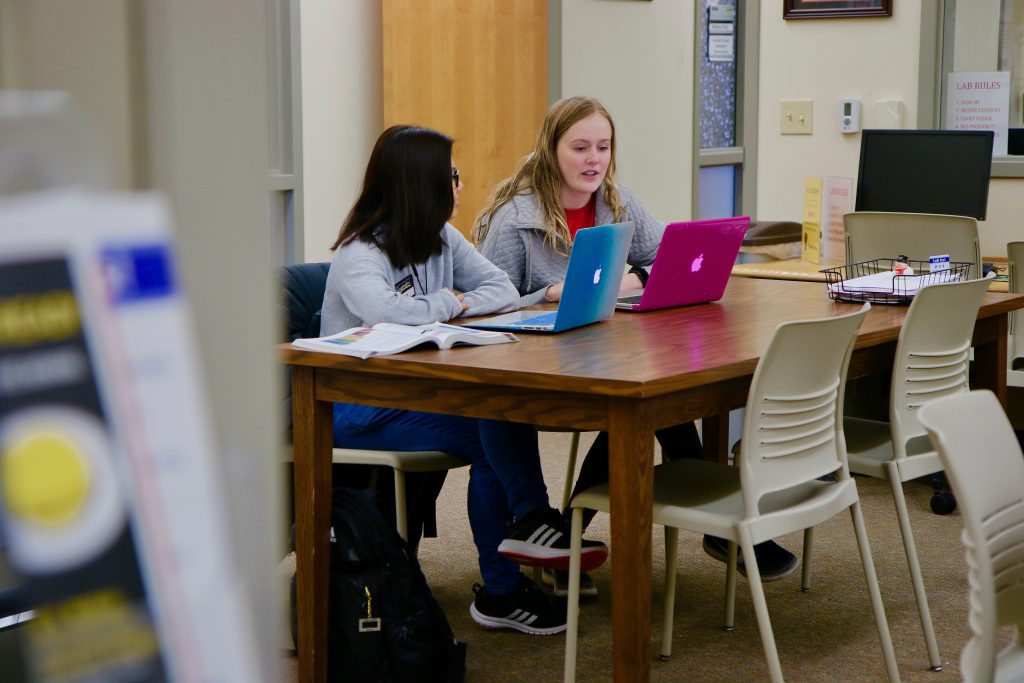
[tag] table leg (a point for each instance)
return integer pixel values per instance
(990, 352)
(312, 431)
(714, 435)
(631, 463)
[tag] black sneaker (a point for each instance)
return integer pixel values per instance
(559, 582)
(527, 609)
(773, 561)
(541, 539)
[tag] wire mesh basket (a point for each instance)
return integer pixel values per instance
(878, 282)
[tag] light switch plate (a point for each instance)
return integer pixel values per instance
(797, 117)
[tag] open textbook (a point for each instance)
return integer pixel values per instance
(384, 339)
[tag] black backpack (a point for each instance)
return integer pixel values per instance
(384, 624)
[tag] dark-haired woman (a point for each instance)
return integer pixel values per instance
(397, 260)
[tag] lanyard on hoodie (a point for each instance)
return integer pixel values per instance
(416, 274)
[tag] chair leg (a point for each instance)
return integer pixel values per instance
(570, 470)
(805, 576)
(573, 620)
(732, 557)
(400, 519)
(876, 595)
(671, 562)
(764, 624)
(915, 570)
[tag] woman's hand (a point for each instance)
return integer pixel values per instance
(630, 281)
(554, 292)
(458, 297)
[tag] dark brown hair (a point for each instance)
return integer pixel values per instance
(406, 197)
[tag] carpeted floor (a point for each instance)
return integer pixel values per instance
(825, 635)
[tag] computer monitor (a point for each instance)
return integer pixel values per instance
(925, 171)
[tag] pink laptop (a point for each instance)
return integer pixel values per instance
(692, 266)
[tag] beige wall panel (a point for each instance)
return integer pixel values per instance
(341, 112)
(476, 71)
(637, 58)
(83, 48)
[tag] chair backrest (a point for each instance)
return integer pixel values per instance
(1015, 256)
(793, 427)
(303, 286)
(932, 356)
(881, 235)
(985, 469)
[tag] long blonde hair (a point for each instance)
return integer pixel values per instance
(539, 173)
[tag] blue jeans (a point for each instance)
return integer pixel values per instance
(505, 483)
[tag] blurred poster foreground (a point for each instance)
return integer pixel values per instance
(112, 528)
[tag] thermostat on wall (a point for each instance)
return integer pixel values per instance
(849, 116)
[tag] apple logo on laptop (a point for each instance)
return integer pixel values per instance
(697, 263)
(597, 275)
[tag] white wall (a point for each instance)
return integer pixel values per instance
(637, 58)
(1004, 221)
(826, 60)
(342, 111)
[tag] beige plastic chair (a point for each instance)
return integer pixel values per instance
(401, 462)
(881, 235)
(303, 286)
(985, 467)
(1015, 256)
(792, 436)
(932, 357)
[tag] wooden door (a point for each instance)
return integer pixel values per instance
(476, 71)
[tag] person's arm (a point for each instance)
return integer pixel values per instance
(635, 278)
(647, 231)
(366, 292)
(485, 287)
(503, 247)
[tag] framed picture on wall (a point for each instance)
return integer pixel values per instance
(830, 9)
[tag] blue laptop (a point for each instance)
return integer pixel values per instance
(596, 264)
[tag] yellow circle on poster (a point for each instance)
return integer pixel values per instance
(45, 478)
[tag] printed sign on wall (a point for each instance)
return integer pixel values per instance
(836, 199)
(980, 101)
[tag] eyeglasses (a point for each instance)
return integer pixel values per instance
(455, 176)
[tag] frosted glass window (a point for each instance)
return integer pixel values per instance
(1011, 55)
(717, 192)
(717, 89)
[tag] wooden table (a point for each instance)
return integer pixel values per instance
(795, 269)
(629, 376)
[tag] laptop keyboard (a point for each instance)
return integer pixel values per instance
(543, 320)
(629, 299)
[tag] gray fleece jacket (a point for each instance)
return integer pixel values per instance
(515, 242)
(363, 288)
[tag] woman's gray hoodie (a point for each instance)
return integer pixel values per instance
(364, 289)
(515, 242)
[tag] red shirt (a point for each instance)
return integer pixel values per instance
(583, 217)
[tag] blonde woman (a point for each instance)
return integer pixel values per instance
(565, 185)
